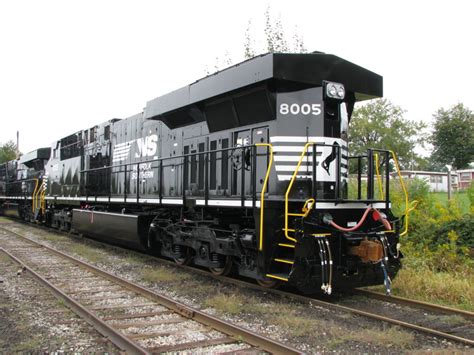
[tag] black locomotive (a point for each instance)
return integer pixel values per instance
(245, 170)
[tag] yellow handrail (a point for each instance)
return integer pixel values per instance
(379, 178)
(33, 197)
(290, 185)
(262, 194)
(408, 207)
(42, 199)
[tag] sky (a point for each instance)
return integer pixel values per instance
(68, 65)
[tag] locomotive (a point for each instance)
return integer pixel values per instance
(243, 171)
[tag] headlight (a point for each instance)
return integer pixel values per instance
(335, 90)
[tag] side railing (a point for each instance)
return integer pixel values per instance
(373, 177)
(183, 163)
(241, 181)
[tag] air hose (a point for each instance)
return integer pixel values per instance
(386, 279)
(377, 216)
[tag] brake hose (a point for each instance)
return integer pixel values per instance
(380, 217)
(364, 216)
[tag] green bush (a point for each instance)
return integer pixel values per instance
(470, 194)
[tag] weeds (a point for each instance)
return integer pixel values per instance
(392, 336)
(230, 304)
(162, 274)
(89, 253)
(437, 287)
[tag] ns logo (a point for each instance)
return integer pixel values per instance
(147, 146)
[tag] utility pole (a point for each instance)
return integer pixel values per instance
(449, 167)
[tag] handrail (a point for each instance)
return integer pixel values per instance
(166, 158)
(379, 177)
(413, 204)
(262, 194)
(42, 197)
(290, 185)
(33, 197)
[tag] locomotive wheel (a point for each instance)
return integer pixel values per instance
(184, 260)
(223, 271)
(268, 283)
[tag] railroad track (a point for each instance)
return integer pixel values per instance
(135, 319)
(424, 324)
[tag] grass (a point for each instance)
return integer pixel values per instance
(230, 304)
(446, 288)
(298, 325)
(293, 319)
(461, 197)
(87, 252)
(53, 238)
(133, 258)
(162, 274)
(391, 336)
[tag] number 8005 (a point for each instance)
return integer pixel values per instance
(304, 109)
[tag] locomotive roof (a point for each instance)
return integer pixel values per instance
(41, 153)
(185, 105)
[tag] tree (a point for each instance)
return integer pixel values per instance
(453, 136)
(380, 124)
(7, 152)
(275, 38)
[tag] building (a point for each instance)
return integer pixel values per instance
(437, 181)
(465, 178)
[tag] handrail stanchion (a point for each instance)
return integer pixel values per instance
(314, 186)
(138, 182)
(254, 175)
(34, 196)
(125, 184)
(370, 175)
(262, 194)
(359, 177)
(206, 177)
(242, 179)
(160, 175)
(407, 208)
(379, 177)
(387, 180)
(337, 186)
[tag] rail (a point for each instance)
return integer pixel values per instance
(237, 333)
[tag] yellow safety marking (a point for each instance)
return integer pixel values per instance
(33, 197)
(379, 178)
(408, 207)
(288, 190)
(262, 194)
(321, 234)
(308, 206)
(42, 200)
(286, 245)
(284, 261)
(276, 277)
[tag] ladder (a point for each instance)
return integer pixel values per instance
(284, 258)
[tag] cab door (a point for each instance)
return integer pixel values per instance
(260, 135)
(240, 162)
